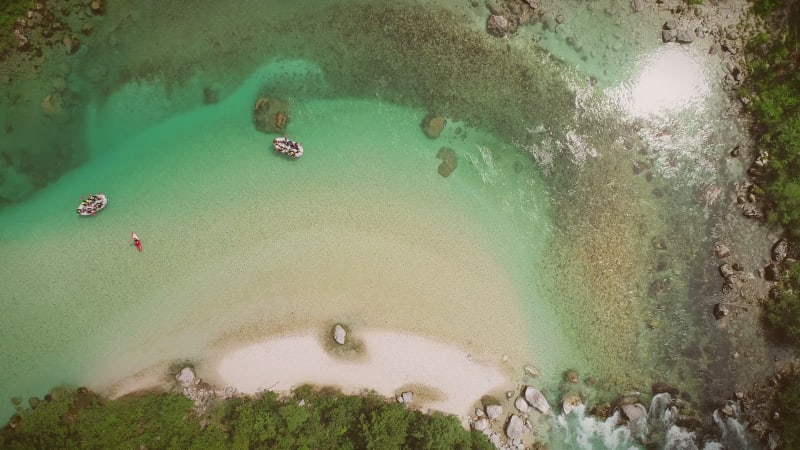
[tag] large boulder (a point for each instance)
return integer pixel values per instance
(405, 397)
(537, 400)
(480, 424)
(186, 377)
(521, 405)
(515, 427)
(634, 411)
(271, 115)
(339, 334)
(685, 36)
(494, 411)
(780, 250)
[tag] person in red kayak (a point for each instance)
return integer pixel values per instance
(136, 241)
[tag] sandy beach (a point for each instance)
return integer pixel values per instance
(441, 376)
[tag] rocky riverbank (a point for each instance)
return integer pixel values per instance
(750, 255)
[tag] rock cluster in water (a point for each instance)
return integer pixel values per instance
(449, 161)
(271, 115)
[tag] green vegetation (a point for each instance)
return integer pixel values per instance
(308, 419)
(783, 311)
(10, 11)
(774, 71)
(788, 413)
(764, 7)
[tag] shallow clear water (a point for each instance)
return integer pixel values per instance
(544, 245)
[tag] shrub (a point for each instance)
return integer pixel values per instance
(10, 11)
(788, 413)
(764, 7)
(783, 310)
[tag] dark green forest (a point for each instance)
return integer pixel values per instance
(774, 71)
(308, 419)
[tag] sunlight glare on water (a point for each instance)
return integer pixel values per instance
(671, 78)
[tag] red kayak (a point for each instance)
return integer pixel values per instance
(136, 241)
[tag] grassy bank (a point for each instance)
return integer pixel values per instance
(309, 418)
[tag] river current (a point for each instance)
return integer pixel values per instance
(590, 157)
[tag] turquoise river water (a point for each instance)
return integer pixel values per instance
(543, 244)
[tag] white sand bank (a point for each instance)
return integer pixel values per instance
(443, 377)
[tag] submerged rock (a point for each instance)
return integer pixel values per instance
(532, 371)
(570, 402)
(432, 126)
(726, 270)
(210, 96)
(449, 161)
(98, 6)
(71, 44)
(55, 108)
(572, 376)
(271, 115)
(720, 311)
(721, 251)
(497, 25)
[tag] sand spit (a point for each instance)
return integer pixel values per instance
(443, 377)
